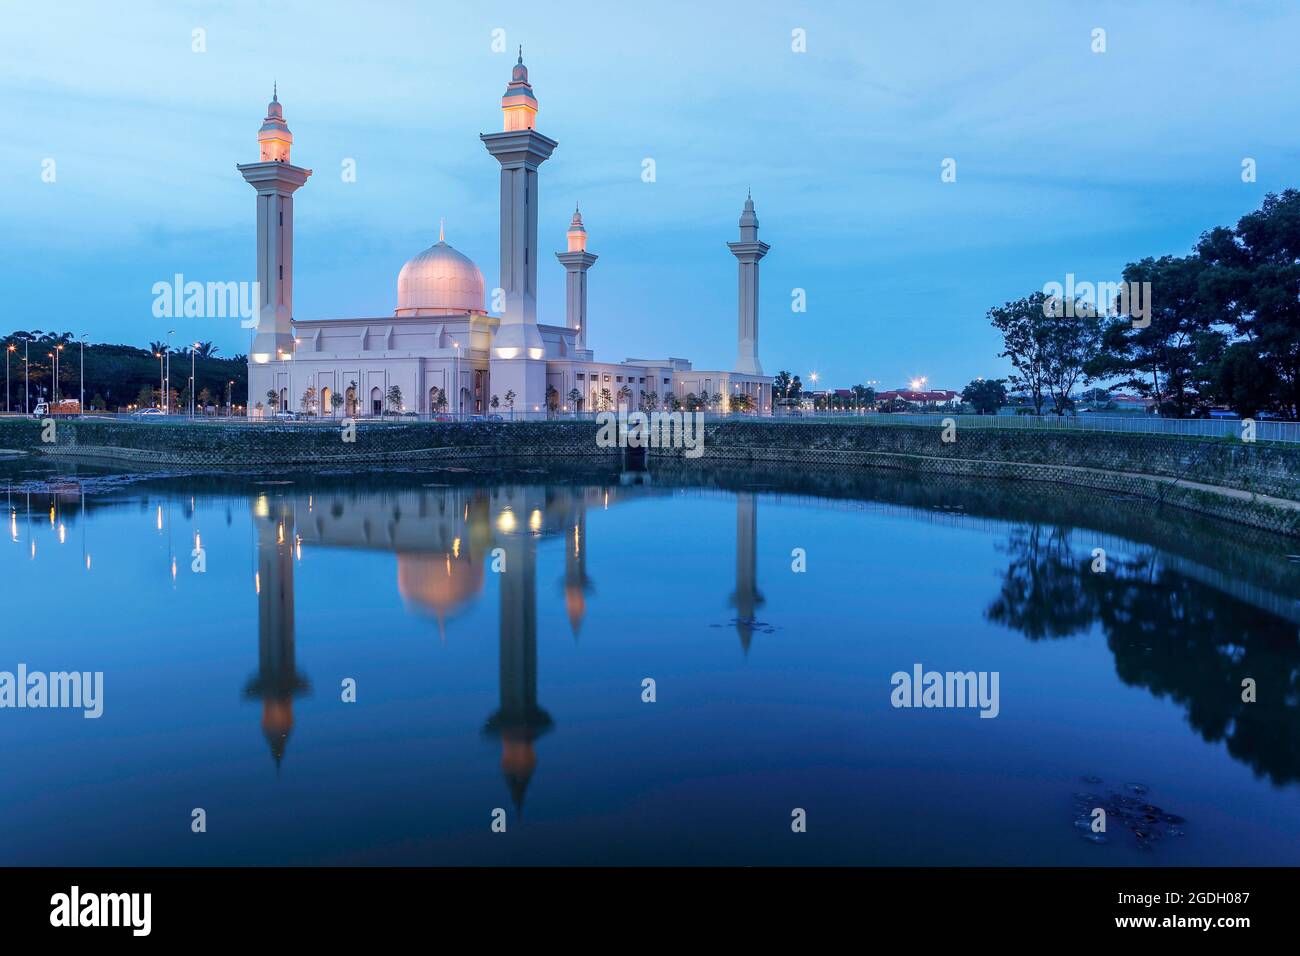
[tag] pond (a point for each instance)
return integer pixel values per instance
(504, 665)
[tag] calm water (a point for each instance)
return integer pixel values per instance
(521, 689)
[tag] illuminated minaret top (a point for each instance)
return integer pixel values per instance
(577, 233)
(519, 105)
(274, 138)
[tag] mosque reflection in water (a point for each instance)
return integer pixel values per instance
(446, 541)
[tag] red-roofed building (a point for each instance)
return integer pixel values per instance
(937, 396)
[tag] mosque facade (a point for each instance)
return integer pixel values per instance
(443, 351)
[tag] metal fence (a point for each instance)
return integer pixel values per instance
(1266, 430)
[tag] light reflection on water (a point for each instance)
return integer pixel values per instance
(498, 629)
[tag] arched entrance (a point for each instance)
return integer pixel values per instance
(284, 399)
(350, 400)
(376, 401)
(327, 401)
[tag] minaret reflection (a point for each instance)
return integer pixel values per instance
(577, 585)
(277, 680)
(519, 721)
(746, 599)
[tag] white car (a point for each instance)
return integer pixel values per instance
(140, 412)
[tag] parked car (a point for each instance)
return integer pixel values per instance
(285, 416)
(146, 412)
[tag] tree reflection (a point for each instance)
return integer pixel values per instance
(1173, 635)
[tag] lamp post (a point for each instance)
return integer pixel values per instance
(56, 393)
(162, 384)
(11, 348)
(230, 408)
(457, 382)
(167, 377)
(82, 374)
(27, 381)
(193, 353)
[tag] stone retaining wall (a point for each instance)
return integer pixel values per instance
(1249, 478)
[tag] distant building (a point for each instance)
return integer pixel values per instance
(938, 396)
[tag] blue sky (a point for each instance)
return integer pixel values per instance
(1067, 160)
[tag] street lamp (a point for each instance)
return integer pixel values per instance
(55, 393)
(167, 377)
(27, 380)
(162, 384)
(230, 408)
(11, 348)
(457, 382)
(193, 352)
(82, 375)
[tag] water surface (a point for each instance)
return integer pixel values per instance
(499, 625)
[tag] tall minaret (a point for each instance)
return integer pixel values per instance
(748, 251)
(275, 180)
(576, 262)
(518, 357)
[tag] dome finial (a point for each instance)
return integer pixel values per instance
(441, 226)
(275, 91)
(521, 53)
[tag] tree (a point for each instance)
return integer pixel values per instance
(864, 396)
(308, 402)
(205, 398)
(649, 401)
(552, 397)
(146, 398)
(781, 386)
(510, 401)
(1025, 329)
(606, 399)
(205, 350)
(1072, 342)
(986, 394)
(625, 396)
(1157, 357)
(741, 402)
(272, 399)
(336, 402)
(394, 398)
(1253, 286)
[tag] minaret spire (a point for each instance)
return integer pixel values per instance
(442, 224)
(748, 252)
(517, 361)
(576, 261)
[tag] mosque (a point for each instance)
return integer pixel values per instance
(443, 350)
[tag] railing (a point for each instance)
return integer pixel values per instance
(1265, 430)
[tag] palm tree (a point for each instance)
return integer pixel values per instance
(158, 348)
(205, 350)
